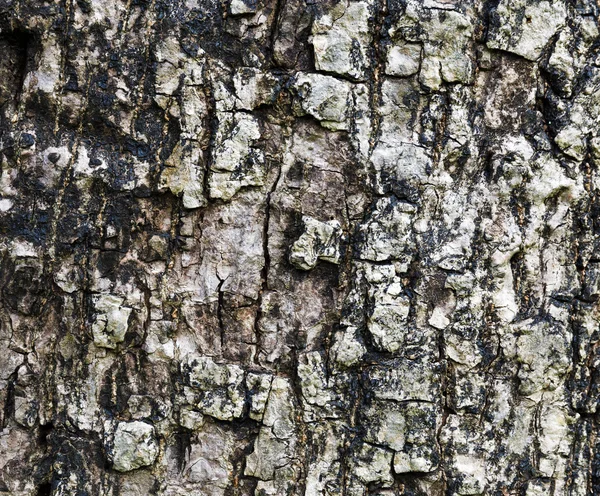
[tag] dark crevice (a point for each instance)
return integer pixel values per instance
(18, 49)
(9, 403)
(266, 254)
(44, 432)
(220, 303)
(44, 489)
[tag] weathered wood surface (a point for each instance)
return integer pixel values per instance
(299, 247)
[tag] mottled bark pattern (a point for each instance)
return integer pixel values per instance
(299, 247)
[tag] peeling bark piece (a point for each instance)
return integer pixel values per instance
(526, 26)
(341, 39)
(387, 233)
(209, 463)
(236, 162)
(388, 321)
(316, 391)
(326, 98)
(407, 428)
(347, 350)
(111, 320)
(254, 88)
(239, 7)
(295, 18)
(26, 411)
(572, 142)
(222, 394)
(543, 352)
(320, 241)
(403, 60)
(259, 387)
(134, 446)
(373, 465)
(268, 456)
(275, 446)
(447, 55)
(184, 176)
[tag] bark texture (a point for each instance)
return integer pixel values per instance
(299, 247)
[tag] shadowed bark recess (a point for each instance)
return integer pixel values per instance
(299, 247)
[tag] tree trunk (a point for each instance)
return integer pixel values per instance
(299, 247)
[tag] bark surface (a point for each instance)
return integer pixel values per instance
(299, 247)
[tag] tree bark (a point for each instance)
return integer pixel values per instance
(299, 247)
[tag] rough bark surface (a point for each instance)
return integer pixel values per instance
(299, 247)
